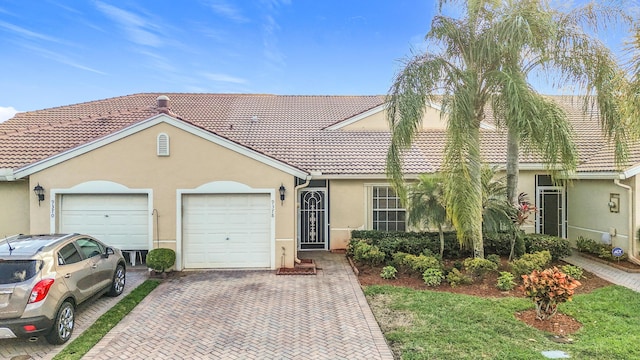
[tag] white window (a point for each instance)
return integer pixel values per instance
(163, 144)
(388, 213)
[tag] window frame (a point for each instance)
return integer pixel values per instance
(372, 208)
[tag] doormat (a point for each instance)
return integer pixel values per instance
(306, 267)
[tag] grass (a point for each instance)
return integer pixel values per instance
(438, 325)
(87, 340)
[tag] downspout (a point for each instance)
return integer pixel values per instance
(295, 218)
(632, 243)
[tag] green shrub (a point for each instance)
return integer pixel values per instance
(399, 260)
(388, 272)
(161, 259)
(368, 254)
(432, 277)
(506, 281)
(455, 278)
(529, 262)
(479, 267)
(557, 247)
(605, 253)
(415, 243)
(351, 246)
(500, 244)
(421, 263)
(587, 245)
(494, 258)
(600, 250)
(573, 271)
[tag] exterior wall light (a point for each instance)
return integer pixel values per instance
(39, 190)
(282, 191)
(614, 203)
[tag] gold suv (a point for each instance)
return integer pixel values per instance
(44, 277)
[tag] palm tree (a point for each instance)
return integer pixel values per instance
(477, 63)
(425, 205)
(497, 211)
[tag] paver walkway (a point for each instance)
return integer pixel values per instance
(251, 315)
(609, 273)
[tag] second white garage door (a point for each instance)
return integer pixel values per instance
(226, 231)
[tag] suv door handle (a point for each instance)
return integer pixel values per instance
(67, 275)
(94, 266)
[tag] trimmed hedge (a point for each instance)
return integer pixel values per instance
(557, 247)
(417, 243)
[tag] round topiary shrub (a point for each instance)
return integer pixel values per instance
(161, 259)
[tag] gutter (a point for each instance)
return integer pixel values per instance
(6, 174)
(631, 237)
(295, 217)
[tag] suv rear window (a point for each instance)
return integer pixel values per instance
(15, 271)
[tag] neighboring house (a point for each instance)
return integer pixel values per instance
(203, 174)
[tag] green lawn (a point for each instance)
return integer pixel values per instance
(437, 325)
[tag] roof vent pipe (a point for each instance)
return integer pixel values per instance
(163, 101)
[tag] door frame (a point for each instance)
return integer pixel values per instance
(325, 191)
(562, 222)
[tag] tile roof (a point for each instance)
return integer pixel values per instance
(287, 128)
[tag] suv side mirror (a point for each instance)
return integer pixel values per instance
(108, 252)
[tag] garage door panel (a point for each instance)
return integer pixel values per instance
(118, 220)
(227, 231)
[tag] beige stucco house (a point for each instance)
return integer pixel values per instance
(249, 181)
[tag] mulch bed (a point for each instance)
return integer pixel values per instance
(560, 325)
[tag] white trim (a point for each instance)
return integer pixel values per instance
(143, 125)
(358, 117)
(223, 187)
(100, 187)
(630, 172)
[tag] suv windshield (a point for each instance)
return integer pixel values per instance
(15, 271)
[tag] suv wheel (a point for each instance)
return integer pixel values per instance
(63, 326)
(119, 279)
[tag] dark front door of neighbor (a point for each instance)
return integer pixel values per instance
(313, 219)
(551, 212)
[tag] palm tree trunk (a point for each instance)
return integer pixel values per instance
(441, 233)
(513, 144)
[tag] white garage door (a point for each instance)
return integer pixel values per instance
(226, 231)
(117, 220)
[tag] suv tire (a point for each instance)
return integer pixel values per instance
(119, 279)
(63, 326)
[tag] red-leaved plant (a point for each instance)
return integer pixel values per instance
(547, 289)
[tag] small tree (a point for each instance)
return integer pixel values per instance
(547, 289)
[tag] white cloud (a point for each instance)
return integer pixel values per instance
(28, 33)
(63, 59)
(224, 78)
(137, 28)
(227, 10)
(7, 113)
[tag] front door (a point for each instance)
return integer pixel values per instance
(313, 225)
(551, 211)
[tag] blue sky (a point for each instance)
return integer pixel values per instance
(57, 52)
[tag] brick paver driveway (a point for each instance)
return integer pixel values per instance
(251, 315)
(86, 314)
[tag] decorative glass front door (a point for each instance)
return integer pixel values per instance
(312, 228)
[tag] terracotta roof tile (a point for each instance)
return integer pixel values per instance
(288, 128)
